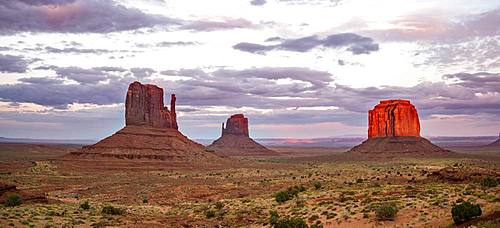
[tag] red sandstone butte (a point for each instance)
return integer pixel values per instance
(394, 131)
(144, 107)
(150, 132)
(236, 125)
(235, 140)
(392, 118)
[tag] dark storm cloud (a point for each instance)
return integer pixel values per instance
(210, 25)
(78, 16)
(258, 2)
(354, 43)
(13, 64)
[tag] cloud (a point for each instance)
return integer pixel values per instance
(443, 28)
(42, 92)
(142, 72)
(176, 43)
(311, 2)
(74, 16)
(354, 43)
(41, 80)
(316, 78)
(76, 50)
(213, 25)
(13, 64)
(167, 44)
(258, 2)
(287, 93)
(81, 75)
(474, 54)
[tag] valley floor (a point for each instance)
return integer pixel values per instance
(338, 191)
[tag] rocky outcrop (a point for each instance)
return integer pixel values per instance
(151, 132)
(394, 131)
(31, 196)
(235, 140)
(236, 125)
(144, 107)
(393, 118)
(495, 144)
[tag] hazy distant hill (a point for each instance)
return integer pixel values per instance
(46, 141)
(338, 142)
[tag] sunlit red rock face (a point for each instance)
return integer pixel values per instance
(144, 107)
(393, 118)
(235, 140)
(394, 131)
(151, 132)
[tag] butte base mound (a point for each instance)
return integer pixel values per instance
(235, 140)
(394, 130)
(150, 132)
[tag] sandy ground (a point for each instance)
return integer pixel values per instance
(241, 193)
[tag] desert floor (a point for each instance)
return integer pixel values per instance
(340, 191)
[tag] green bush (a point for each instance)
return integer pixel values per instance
(295, 222)
(13, 200)
(85, 205)
(317, 185)
(489, 182)
(209, 213)
(465, 211)
(110, 210)
(288, 194)
(274, 218)
(219, 205)
(386, 211)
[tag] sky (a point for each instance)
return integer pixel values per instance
(295, 68)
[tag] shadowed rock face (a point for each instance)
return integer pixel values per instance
(144, 107)
(235, 140)
(150, 133)
(393, 118)
(236, 125)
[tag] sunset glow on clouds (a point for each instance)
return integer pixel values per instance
(296, 68)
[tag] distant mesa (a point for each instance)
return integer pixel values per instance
(394, 128)
(235, 140)
(495, 144)
(150, 132)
